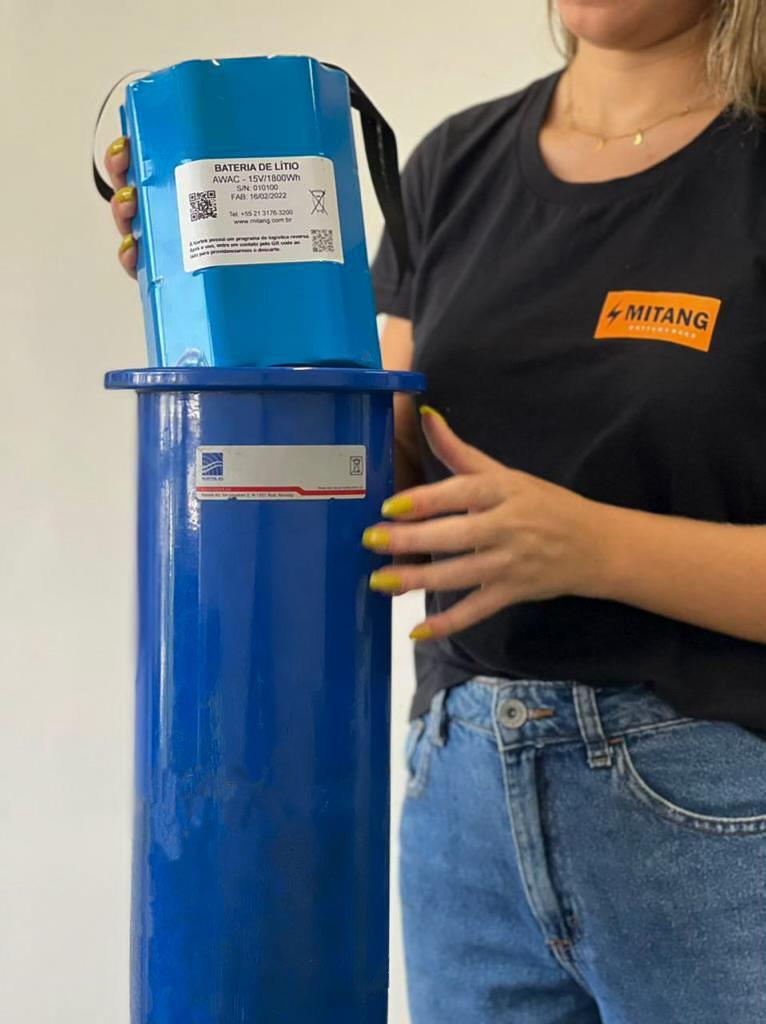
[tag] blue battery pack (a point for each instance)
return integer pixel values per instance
(251, 244)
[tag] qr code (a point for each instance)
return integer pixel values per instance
(322, 240)
(202, 205)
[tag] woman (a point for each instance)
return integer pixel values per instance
(584, 836)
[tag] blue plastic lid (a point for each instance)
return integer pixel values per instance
(247, 378)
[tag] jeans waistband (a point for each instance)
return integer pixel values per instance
(523, 712)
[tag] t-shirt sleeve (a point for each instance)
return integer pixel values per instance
(416, 176)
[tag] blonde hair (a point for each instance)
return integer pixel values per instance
(736, 52)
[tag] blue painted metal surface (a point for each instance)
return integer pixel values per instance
(316, 313)
(260, 891)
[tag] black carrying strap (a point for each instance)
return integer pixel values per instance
(103, 187)
(382, 159)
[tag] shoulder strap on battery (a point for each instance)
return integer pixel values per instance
(382, 159)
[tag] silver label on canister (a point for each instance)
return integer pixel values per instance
(278, 471)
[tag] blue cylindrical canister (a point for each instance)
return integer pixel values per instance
(260, 891)
(251, 245)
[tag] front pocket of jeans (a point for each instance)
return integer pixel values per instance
(704, 775)
(417, 751)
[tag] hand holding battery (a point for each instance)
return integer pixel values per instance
(515, 537)
(123, 202)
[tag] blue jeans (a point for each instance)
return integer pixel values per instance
(582, 855)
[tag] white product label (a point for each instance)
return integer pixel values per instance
(278, 209)
(270, 471)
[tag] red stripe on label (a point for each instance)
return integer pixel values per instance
(256, 490)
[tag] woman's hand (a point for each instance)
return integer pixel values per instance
(123, 203)
(516, 537)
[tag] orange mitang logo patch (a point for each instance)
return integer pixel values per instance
(663, 316)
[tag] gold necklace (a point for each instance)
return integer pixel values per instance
(637, 134)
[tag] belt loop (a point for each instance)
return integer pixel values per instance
(599, 752)
(437, 732)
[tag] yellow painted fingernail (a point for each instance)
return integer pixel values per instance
(375, 538)
(117, 146)
(388, 582)
(397, 505)
(427, 410)
(421, 633)
(126, 243)
(124, 195)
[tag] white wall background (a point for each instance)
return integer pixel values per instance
(67, 447)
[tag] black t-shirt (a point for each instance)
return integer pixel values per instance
(609, 337)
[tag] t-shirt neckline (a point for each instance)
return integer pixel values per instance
(546, 184)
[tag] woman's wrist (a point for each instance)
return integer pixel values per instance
(604, 544)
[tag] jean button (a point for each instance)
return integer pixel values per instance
(512, 713)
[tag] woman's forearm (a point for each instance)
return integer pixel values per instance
(526, 538)
(708, 574)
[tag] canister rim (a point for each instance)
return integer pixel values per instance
(267, 378)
